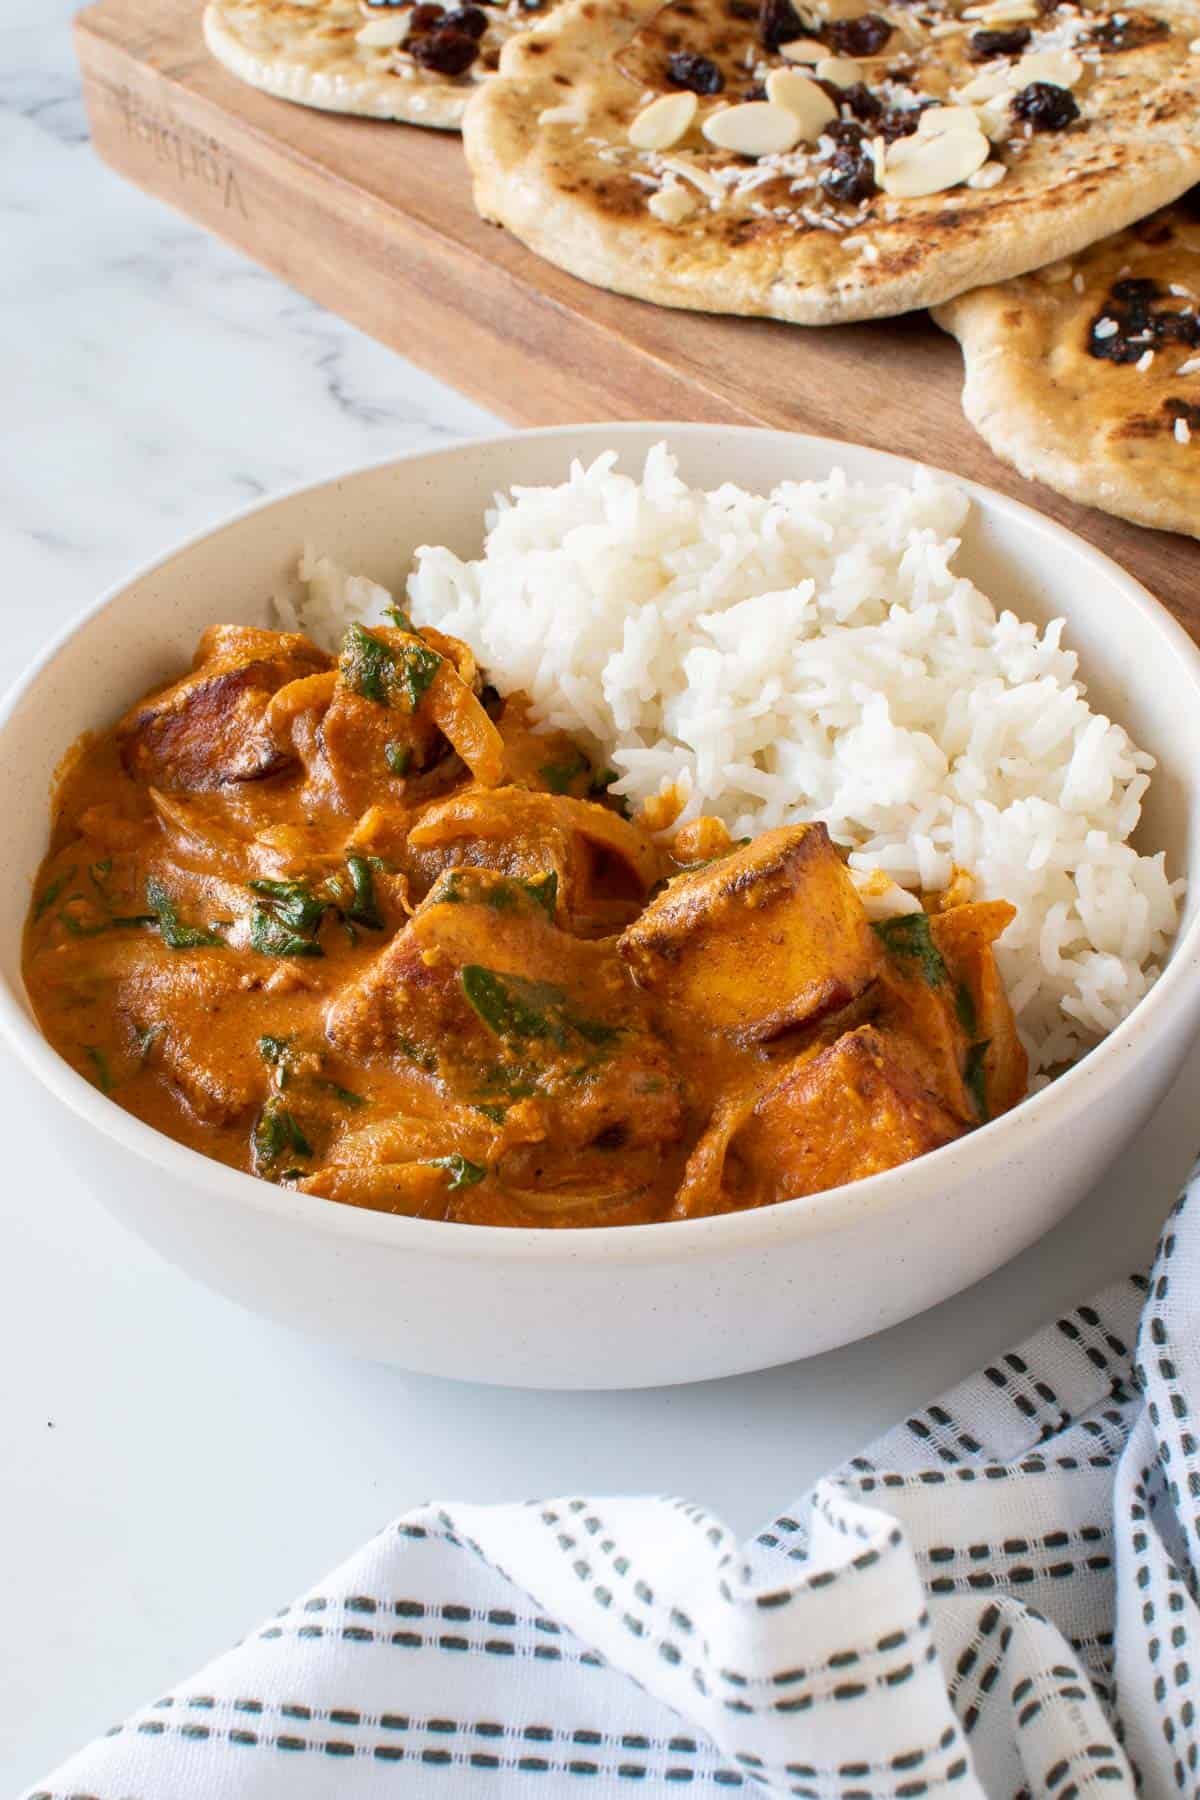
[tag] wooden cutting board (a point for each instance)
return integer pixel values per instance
(375, 221)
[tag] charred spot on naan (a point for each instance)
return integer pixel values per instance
(1127, 30)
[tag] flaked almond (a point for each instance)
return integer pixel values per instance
(756, 127)
(566, 114)
(842, 71)
(1002, 12)
(995, 118)
(989, 176)
(936, 119)
(808, 104)
(384, 34)
(699, 177)
(878, 159)
(1060, 67)
(672, 204)
(986, 85)
(804, 50)
(664, 121)
(916, 166)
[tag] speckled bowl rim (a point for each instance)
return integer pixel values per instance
(956, 1165)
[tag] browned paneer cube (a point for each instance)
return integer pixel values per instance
(999, 1067)
(762, 940)
(851, 1110)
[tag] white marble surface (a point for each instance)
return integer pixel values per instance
(171, 1469)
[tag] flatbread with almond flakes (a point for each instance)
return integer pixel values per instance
(824, 163)
(1086, 375)
(377, 58)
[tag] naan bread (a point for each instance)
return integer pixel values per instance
(803, 233)
(334, 54)
(1087, 375)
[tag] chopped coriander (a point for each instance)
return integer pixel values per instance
(510, 1083)
(275, 1131)
(599, 790)
(417, 1053)
(276, 1053)
(293, 901)
(49, 895)
(462, 1173)
(975, 1077)
(272, 936)
(346, 1095)
(558, 777)
(518, 1009)
(400, 619)
(909, 937)
(145, 1036)
(379, 671)
(286, 920)
(174, 934)
(398, 757)
(363, 907)
(512, 1006)
(485, 887)
(366, 665)
(420, 664)
(99, 1062)
(72, 923)
(543, 890)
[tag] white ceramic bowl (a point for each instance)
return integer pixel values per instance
(631, 1306)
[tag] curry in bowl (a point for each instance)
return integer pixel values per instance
(353, 926)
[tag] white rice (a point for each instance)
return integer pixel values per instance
(813, 654)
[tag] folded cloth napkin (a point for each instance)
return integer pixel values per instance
(999, 1597)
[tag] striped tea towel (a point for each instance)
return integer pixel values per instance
(998, 1598)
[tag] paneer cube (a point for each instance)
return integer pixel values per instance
(763, 940)
(854, 1109)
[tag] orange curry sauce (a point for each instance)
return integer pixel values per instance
(352, 926)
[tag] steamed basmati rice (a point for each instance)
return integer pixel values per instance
(812, 654)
